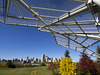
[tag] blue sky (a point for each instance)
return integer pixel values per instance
(19, 41)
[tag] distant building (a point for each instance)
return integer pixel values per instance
(22, 60)
(32, 59)
(13, 60)
(9, 60)
(42, 58)
(39, 60)
(54, 60)
(4, 60)
(50, 59)
(36, 59)
(58, 60)
(16, 60)
(60, 57)
(32, 62)
(47, 58)
(27, 57)
(27, 60)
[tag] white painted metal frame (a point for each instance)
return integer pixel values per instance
(76, 35)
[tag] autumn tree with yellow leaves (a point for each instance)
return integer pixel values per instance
(67, 67)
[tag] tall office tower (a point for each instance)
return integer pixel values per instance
(27, 59)
(16, 60)
(43, 58)
(32, 62)
(32, 59)
(54, 60)
(39, 60)
(47, 58)
(22, 60)
(13, 60)
(36, 59)
(60, 57)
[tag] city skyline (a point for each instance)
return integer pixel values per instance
(33, 60)
(27, 57)
(21, 41)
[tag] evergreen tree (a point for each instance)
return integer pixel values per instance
(98, 51)
(66, 53)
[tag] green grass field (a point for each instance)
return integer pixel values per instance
(25, 71)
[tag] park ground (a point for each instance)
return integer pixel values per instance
(25, 71)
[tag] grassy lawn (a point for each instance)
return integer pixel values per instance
(25, 71)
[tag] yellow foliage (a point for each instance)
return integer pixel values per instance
(34, 71)
(67, 67)
(3, 65)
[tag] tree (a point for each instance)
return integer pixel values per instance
(87, 66)
(2, 65)
(53, 67)
(67, 67)
(98, 51)
(10, 64)
(42, 64)
(66, 53)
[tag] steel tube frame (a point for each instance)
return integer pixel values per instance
(68, 33)
(76, 34)
(83, 1)
(49, 26)
(7, 5)
(27, 18)
(31, 11)
(49, 9)
(88, 36)
(74, 12)
(80, 44)
(73, 23)
(71, 43)
(48, 16)
(22, 25)
(19, 10)
(78, 40)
